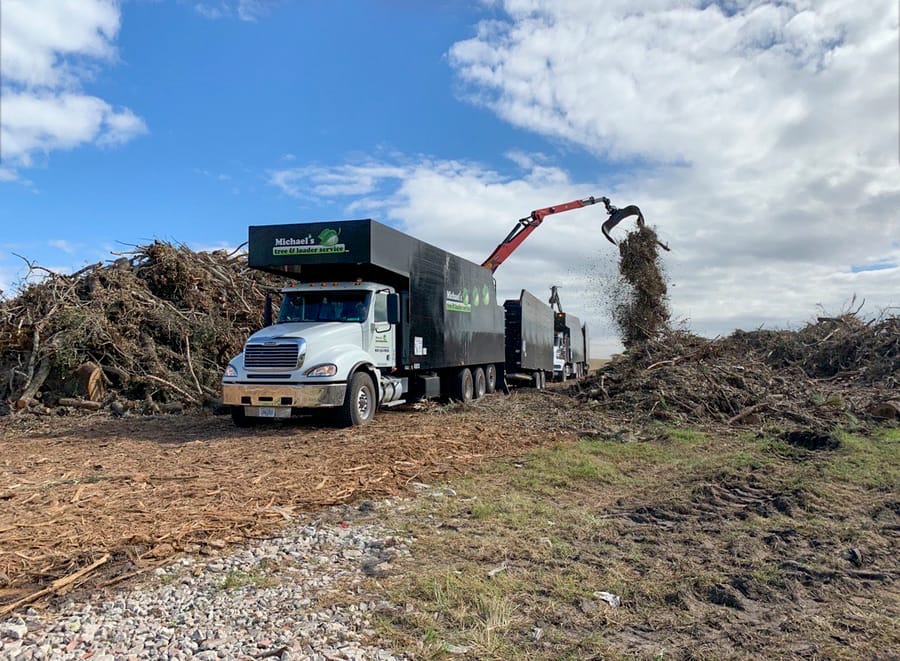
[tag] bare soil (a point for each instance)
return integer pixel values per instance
(719, 542)
(143, 488)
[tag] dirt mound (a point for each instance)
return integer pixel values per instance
(642, 311)
(840, 369)
(150, 330)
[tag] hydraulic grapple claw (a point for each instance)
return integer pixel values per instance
(616, 216)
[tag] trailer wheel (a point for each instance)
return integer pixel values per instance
(359, 402)
(241, 419)
(480, 385)
(463, 386)
(490, 378)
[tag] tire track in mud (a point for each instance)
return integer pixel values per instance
(763, 568)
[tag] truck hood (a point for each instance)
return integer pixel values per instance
(317, 333)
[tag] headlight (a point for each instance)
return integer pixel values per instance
(322, 370)
(230, 372)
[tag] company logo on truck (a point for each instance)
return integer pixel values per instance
(327, 243)
(458, 301)
(464, 301)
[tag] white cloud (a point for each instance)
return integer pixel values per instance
(468, 209)
(250, 10)
(761, 140)
(750, 136)
(316, 182)
(38, 36)
(7, 174)
(64, 245)
(212, 11)
(245, 10)
(41, 122)
(49, 48)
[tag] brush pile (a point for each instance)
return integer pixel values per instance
(150, 331)
(835, 370)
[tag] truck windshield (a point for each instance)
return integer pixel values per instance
(344, 306)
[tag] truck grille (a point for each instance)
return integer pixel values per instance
(275, 355)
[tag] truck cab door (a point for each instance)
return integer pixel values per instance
(383, 344)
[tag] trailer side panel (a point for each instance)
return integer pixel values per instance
(529, 334)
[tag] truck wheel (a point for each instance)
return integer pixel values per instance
(241, 419)
(536, 380)
(359, 402)
(480, 386)
(463, 386)
(490, 378)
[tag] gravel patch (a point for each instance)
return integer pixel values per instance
(299, 595)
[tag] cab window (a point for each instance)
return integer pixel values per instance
(381, 315)
(341, 306)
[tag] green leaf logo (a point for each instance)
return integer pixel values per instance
(328, 237)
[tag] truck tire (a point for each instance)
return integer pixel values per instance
(463, 386)
(490, 378)
(241, 419)
(359, 402)
(536, 381)
(480, 384)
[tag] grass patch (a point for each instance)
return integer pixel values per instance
(868, 461)
(697, 534)
(258, 578)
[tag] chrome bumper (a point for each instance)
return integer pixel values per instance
(283, 396)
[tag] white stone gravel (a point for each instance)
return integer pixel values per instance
(295, 596)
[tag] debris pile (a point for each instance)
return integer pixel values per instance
(150, 331)
(835, 370)
(641, 311)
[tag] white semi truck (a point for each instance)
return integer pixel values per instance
(376, 317)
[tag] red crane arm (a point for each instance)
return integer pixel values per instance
(525, 226)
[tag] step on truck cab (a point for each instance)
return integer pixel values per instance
(375, 318)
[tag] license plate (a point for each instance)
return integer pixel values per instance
(266, 411)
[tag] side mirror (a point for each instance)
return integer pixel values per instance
(393, 308)
(267, 311)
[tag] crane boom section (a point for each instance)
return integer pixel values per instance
(525, 226)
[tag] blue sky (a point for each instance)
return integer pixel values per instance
(746, 135)
(225, 100)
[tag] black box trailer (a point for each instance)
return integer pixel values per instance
(449, 314)
(529, 339)
(376, 316)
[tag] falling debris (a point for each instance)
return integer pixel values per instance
(641, 311)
